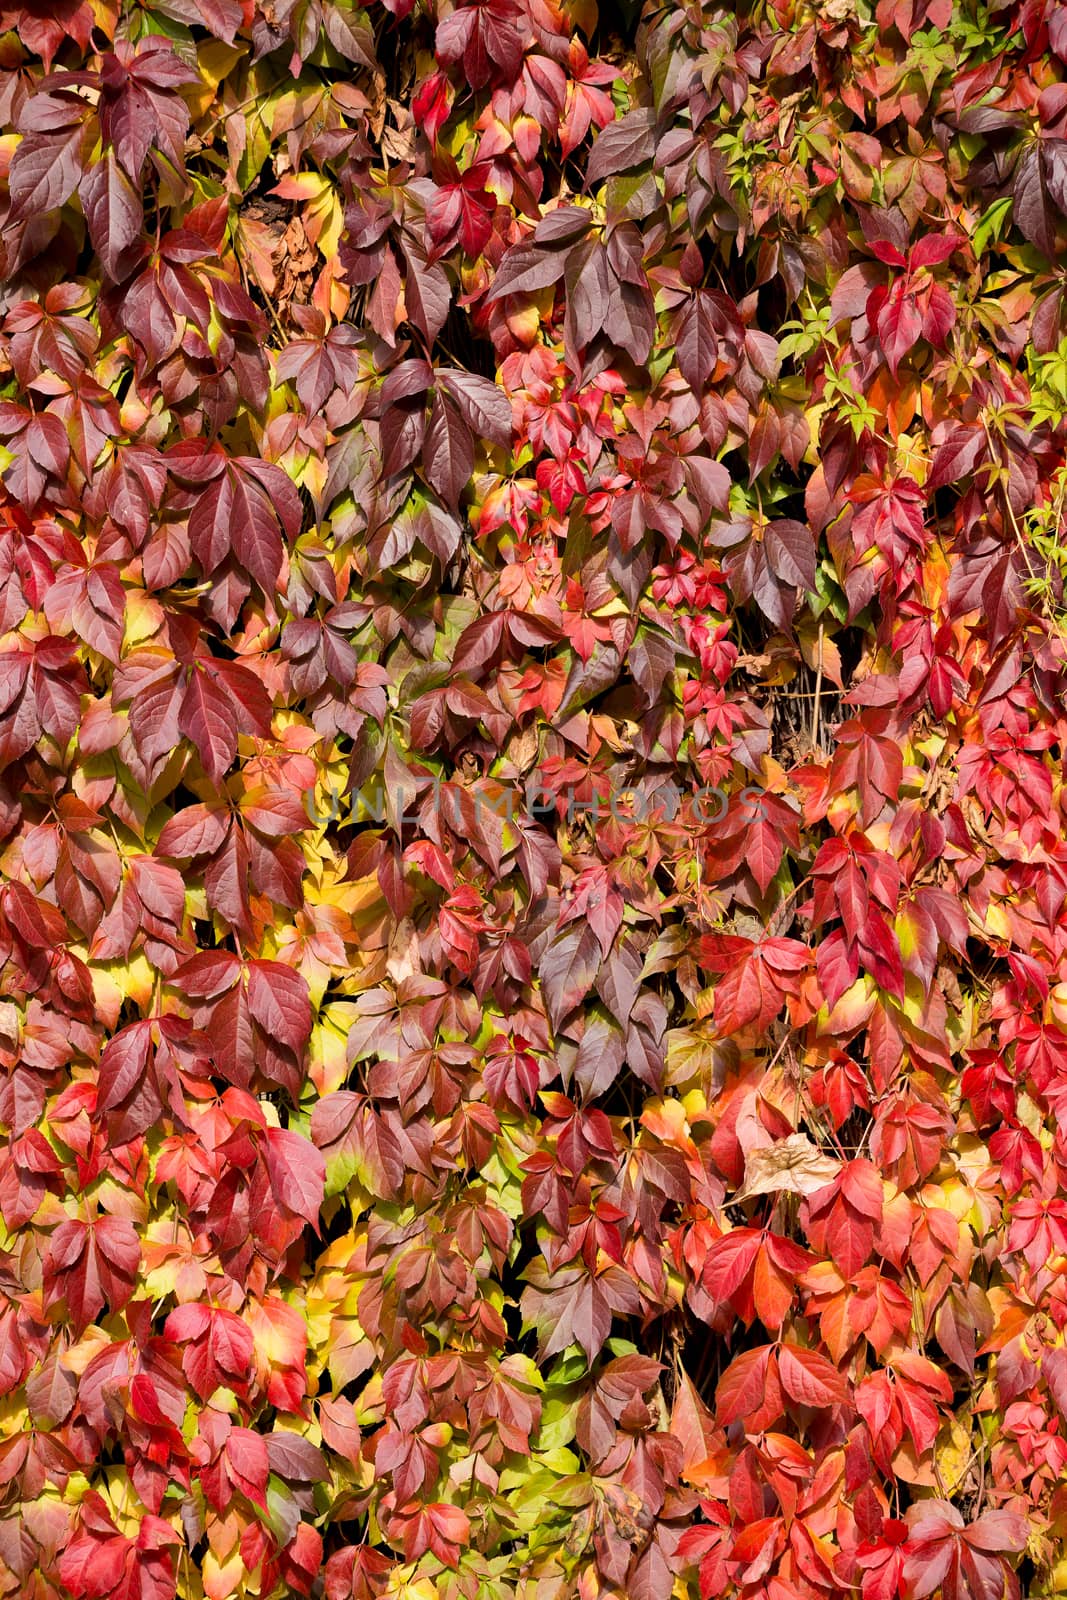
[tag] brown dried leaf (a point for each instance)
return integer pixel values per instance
(792, 1166)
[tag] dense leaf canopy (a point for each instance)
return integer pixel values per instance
(533, 853)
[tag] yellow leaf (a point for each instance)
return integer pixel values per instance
(302, 186)
(116, 981)
(405, 1586)
(329, 221)
(668, 1121)
(222, 1580)
(144, 617)
(108, 992)
(955, 1456)
(852, 1009)
(215, 61)
(695, 1058)
(328, 1062)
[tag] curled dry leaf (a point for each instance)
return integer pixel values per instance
(793, 1165)
(532, 567)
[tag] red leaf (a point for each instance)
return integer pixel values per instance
(248, 1464)
(297, 1173)
(278, 1000)
(114, 213)
(749, 1388)
(809, 1378)
(899, 323)
(208, 718)
(45, 169)
(697, 343)
(448, 451)
(624, 144)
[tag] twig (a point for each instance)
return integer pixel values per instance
(1011, 512)
(818, 694)
(981, 1475)
(267, 300)
(228, 111)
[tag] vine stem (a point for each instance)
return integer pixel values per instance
(1011, 513)
(272, 314)
(815, 730)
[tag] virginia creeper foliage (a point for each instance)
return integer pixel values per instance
(533, 833)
